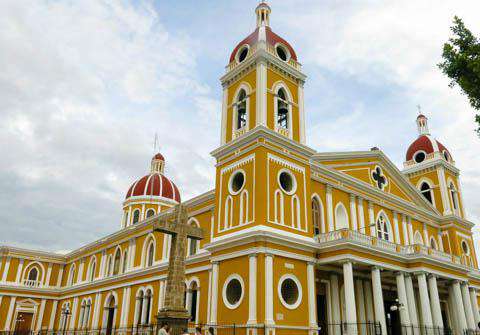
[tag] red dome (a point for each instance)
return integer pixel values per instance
(159, 156)
(272, 39)
(156, 185)
(427, 144)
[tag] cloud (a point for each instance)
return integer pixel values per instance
(85, 86)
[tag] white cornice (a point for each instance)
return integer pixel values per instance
(262, 132)
(432, 163)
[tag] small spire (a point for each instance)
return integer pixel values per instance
(422, 123)
(263, 14)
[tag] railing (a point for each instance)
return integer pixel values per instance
(283, 131)
(428, 157)
(32, 283)
(418, 330)
(239, 132)
(383, 245)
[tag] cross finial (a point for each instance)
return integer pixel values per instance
(156, 147)
(419, 108)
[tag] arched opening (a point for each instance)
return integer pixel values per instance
(125, 261)
(110, 315)
(241, 106)
(139, 308)
(417, 238)
(282, 109)
(147, 305)
(341, 217)
(33, 274)
(383, 230)
(454, 196)
(116, 262)
(71, 275)
(433, 243)
(109, 266)
(192, 308)
(150, 254)
(136, 216)
(150, 212)
(316, 218)
(426, 191)
(91, 271)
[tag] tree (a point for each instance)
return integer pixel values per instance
(461, 63)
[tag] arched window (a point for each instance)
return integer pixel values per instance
(241, 117)
(139, 307)
(417, 238)
(64, 314)
(316, 216)
(193, 301)
(33, 274)
(81, 318)
(383, 231)
(125, 261)
(88, 307)
(454, 196)
(148, 306)
(341, 217)
(116, 262)
(109, 266)
(91, 273)
(136, 216)
(150, 254)
(426, 191)
(71, 275)
(282, 109)
(433, 243)
(150, 212)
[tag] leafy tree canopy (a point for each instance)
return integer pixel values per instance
(461, 63)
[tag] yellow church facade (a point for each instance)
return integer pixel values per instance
(295, 241)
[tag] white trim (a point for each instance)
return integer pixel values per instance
(299, 287)
(294, 181)
(224, 291)
(339, 206)
(230, 180)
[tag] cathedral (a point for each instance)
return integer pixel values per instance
(295, 241)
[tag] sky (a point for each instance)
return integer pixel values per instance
(85, 85)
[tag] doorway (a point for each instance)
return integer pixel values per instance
(23, 323)
(392, 318)
(110, 316)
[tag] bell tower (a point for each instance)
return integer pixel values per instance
(263, 85)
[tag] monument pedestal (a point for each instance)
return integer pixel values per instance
(177, 320)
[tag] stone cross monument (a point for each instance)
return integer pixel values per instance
(174, 223)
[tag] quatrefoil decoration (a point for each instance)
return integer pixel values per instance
(379, 178)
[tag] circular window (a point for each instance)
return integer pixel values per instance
(242, 53)
(287, 181)
(419, 157)
(233, 291)
(290, 291)
(465, 247)
(282, 53)
(237, 181)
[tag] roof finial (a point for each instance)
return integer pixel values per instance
(422, 122)
(263, 14)
(156, 147)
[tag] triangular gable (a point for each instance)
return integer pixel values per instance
(365, 165)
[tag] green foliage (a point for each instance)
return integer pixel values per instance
(461, 63)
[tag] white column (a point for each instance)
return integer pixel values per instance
(102, 264)
(370, 315)
(11, 310)
(395, 228)
(335, 297)
(60, 276)
(435, 301)
(213, 312)
(353, 212)
(80, 270)
(425, 235)
(40, 315)
(301, 110)
(96, 311)
(371, 219)
(440, 241)
(49, 275)
(444, 191)
(161, 294)
(329, 208)
(378, 299)
(405, 230)
(361, 216)
(458, 303)
(223, 130)
(19, 271)
(312, 310)
(351, 313)
(360, 302)
(402, 299)
(73, 317)
(252, 289)
(261, 103)
(5, 270)
(125, 307)
(424, 300)
(131, 253)
(474, 303)
(412, 305)
(410, 230)
(53, 313)
(467, 306)
(269, 290)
